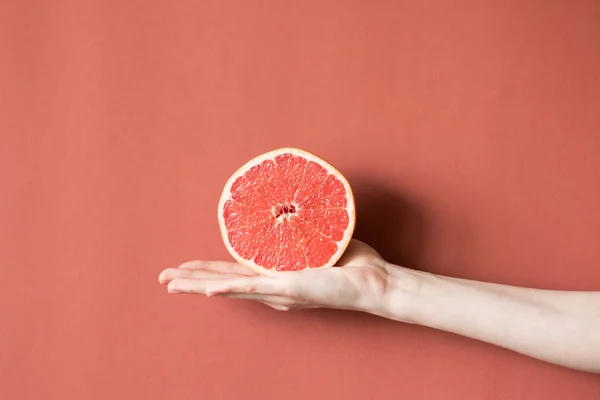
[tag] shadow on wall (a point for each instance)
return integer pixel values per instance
(389, 222)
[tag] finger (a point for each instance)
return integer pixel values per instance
(219, 266)
(279, 303)
(278, 307)
(263, 298)
(169, 274)
(286, 285)
(261, 285)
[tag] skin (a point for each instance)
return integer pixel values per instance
(555, 326)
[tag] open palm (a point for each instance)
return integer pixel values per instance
(361, 282)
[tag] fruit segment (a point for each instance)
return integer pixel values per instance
(292, 256)
(293, 169)
(252, 189)
(240, 216)
(246, 242)
(331, 222)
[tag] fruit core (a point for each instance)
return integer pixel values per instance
(284, 210)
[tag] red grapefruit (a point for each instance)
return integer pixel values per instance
(286, 210)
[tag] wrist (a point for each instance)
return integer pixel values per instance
(404, 296)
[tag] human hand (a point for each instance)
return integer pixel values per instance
(364, 282)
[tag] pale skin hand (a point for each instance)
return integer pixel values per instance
(555, 326)
(360, 284)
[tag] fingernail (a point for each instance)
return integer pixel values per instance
(175, 287)
(161, 277)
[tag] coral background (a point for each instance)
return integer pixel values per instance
(470, 131)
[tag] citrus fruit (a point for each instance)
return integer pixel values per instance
(286, 210)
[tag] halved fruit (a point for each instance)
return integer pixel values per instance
(286, 210)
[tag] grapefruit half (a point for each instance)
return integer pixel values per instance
(286, 210)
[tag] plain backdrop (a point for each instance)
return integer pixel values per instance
(470, 131)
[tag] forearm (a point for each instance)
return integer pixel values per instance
(558, 327)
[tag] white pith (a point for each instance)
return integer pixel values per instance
(226, 195)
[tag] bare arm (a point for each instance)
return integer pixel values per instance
(558, 327)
